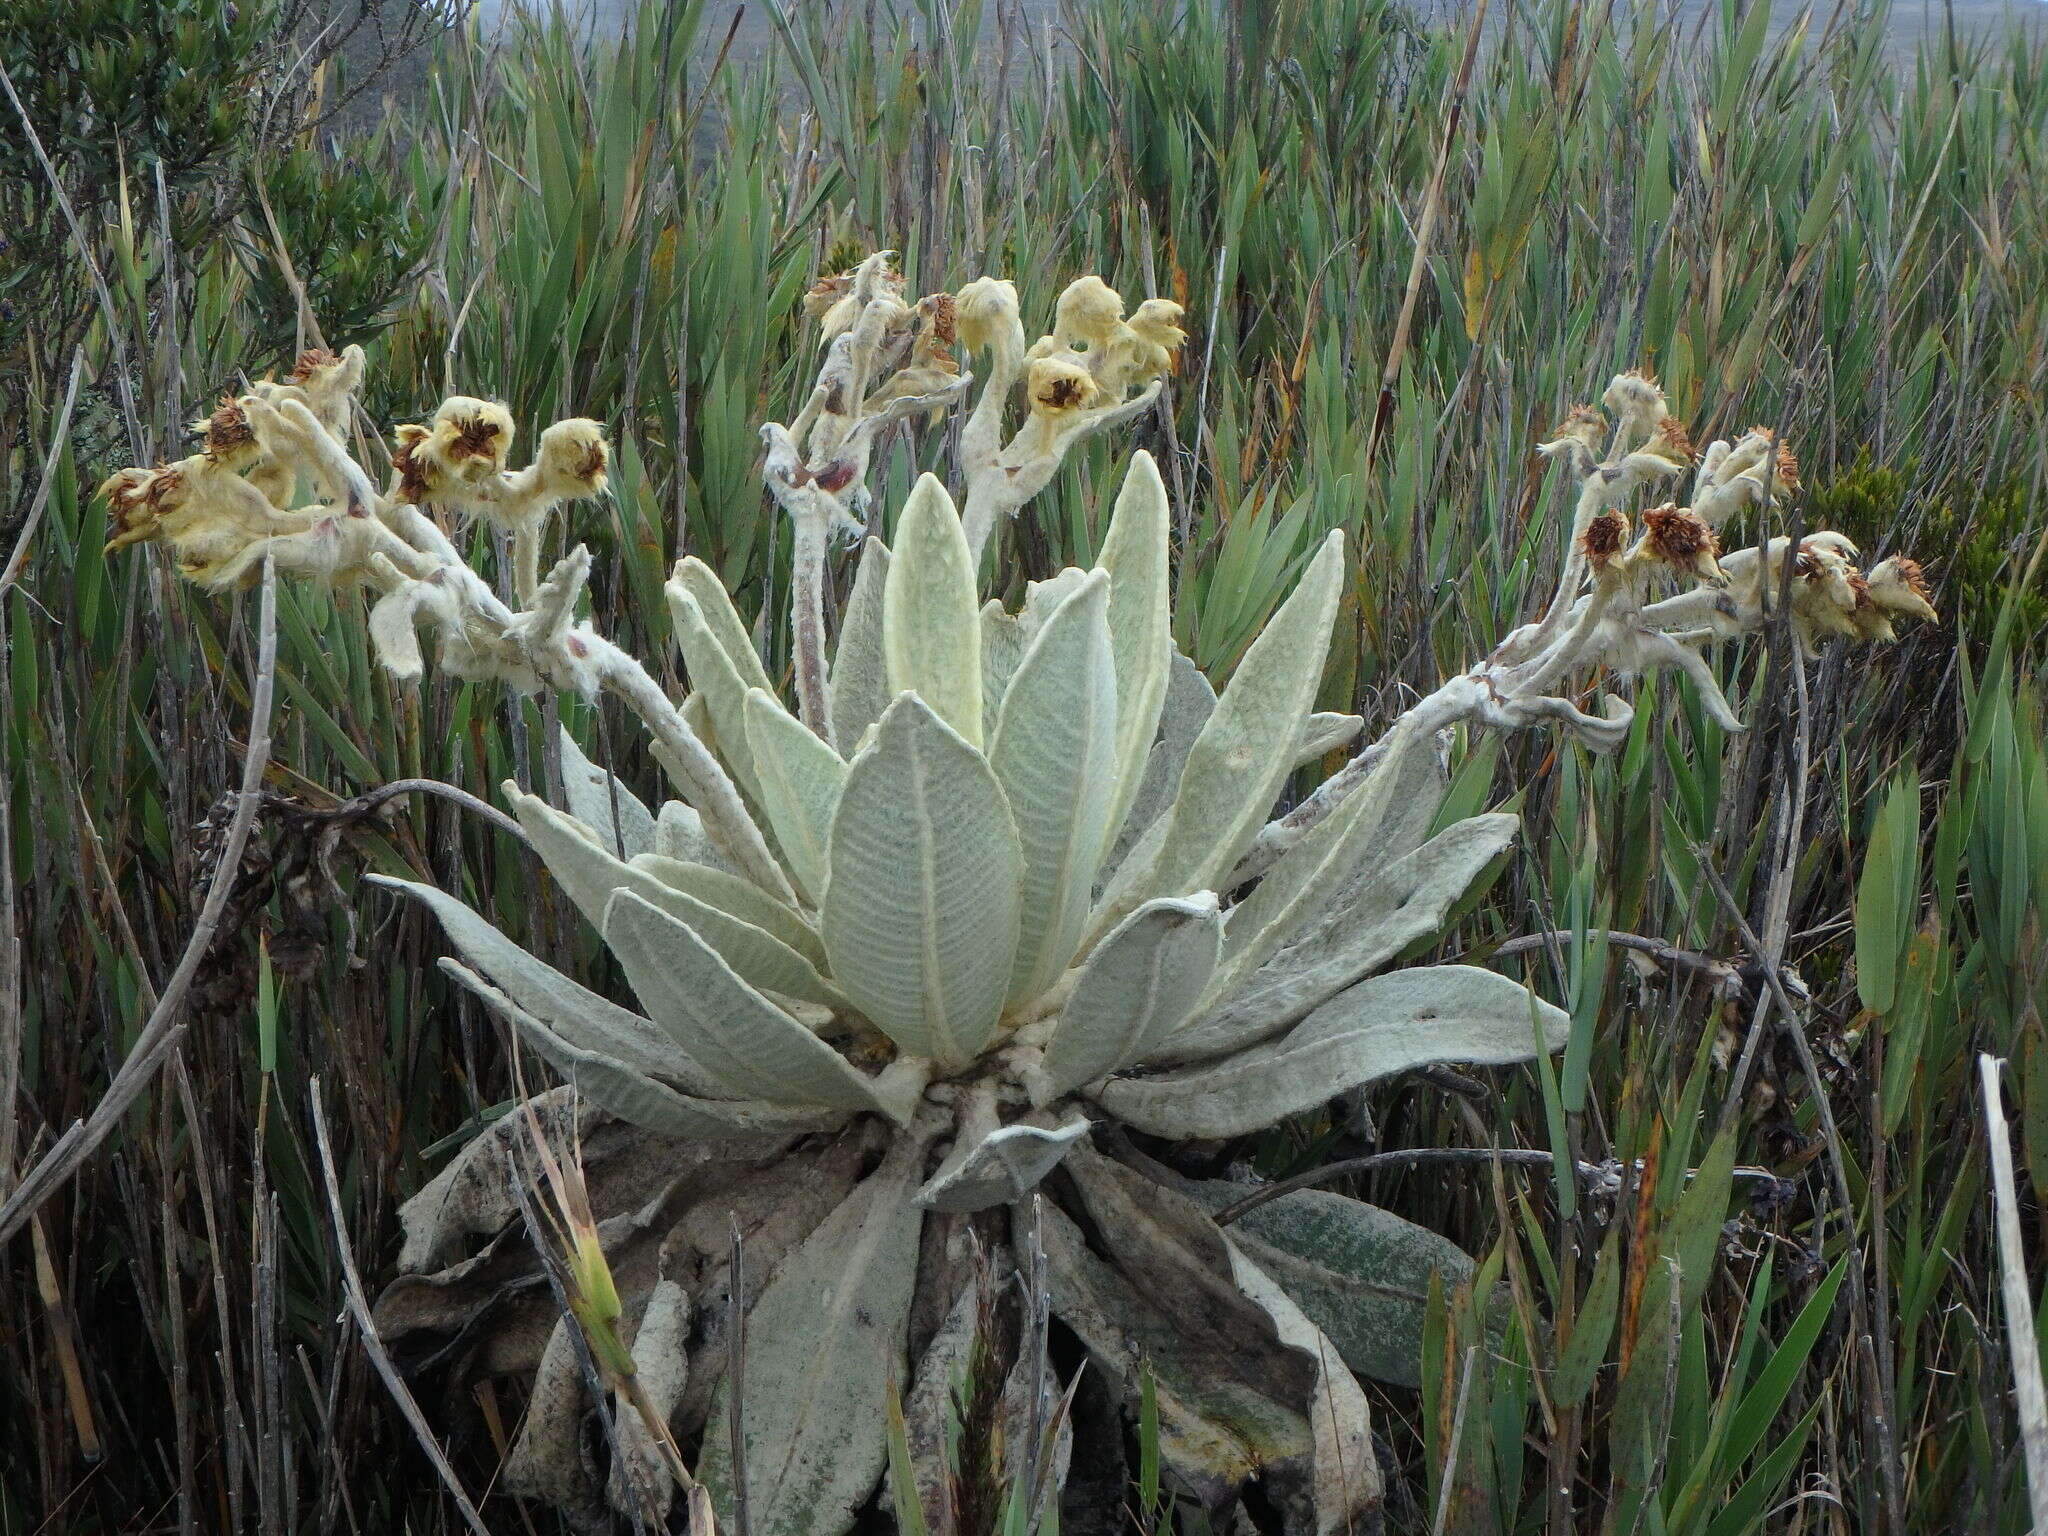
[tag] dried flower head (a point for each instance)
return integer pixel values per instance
(138, 500)
(1831, 542)
(414, 484)
(1671, 441)
(826, 292)
(310, 362)
(1578, 439)
(1787, 464)
(227, 437)
(216, 523)
(1678, 537)
(1603, 538)
(1898, 585)
(323, 382)
(1635, 398)
(938, 319)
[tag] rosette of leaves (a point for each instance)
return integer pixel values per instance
(1011, 967)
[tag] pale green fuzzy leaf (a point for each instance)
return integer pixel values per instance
(635, 1096)
(825, 1341)
(717, 686)
(1367, 828)
(800, 777)
(577, 1015)
(1138, 986)
(1389, 1024)
(1042, 599)
(737, 895)
(931, 631)
(1135, 552)
(1373, 921)
(730, 630)
(1189, 703)
(1360, 1273)
(920, 917)
(1002, 647)
(1324, 733)
(1238, 762)
(735, 1031)
(679, 834)
(1054, 753)
(860, 672)
(1004, 1165)
(603, 804)
(591, 875)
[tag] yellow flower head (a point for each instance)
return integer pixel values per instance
(1060, 388)
(1636, 399)
(468, 440)
(1157, 321)
(1582, 433)
(983, 310)
(1089, 313)
(1824, 598)
(1142, 349)
(835, 302)
(573, 458)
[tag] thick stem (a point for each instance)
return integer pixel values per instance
(807, 624)
(1002, 486)
(1569, 579)
(981, 439)
(526, 560)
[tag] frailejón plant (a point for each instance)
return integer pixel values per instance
(947, 958)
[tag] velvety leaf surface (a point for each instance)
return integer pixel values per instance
(1360, 1273)
(824, 1341)
(1411, 1018)
(1054, 753)
(860, 672)
(920, 918)
(1138, 986)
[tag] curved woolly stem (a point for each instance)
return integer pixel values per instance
(807, 622)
